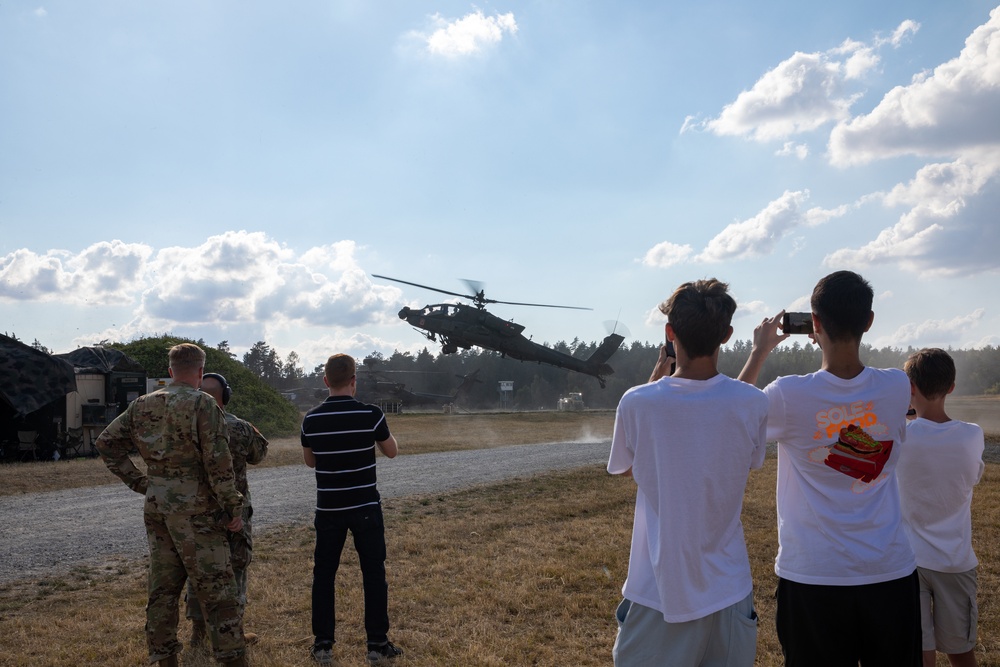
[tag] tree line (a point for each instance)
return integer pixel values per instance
(262, 376)
(537, 386)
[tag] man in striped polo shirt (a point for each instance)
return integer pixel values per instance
(339, 438)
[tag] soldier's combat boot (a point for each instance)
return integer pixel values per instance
(198, 632)
(250, 638)
(168, 662)
(238, 661)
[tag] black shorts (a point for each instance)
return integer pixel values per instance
(877, 625)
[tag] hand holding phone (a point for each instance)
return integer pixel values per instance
(670, 353)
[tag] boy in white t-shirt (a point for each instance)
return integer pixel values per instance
(942, 462)
(689, 440)
(847, 581)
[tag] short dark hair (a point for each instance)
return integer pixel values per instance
(842, 302)
(932, 371)
(339, 370)
(700, 313)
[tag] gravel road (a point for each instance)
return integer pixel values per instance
(49, 533)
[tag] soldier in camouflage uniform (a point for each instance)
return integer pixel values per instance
(191, 500)
(246, 445)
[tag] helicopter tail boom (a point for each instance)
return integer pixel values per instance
(607, 348)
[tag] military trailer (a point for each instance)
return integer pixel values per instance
(55, 406)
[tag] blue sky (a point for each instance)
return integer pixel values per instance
(238, 170)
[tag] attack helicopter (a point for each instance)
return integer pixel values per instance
(456, 325)
(375, 386)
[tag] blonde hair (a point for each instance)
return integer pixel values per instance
(186, 357)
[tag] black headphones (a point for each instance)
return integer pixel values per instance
(227, 391)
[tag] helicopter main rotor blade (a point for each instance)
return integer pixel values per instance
(540, 305)
(479, 298)
(433, 289)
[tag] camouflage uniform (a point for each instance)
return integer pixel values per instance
(246, 445)
(181, 434)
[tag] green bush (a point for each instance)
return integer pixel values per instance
(253, 400)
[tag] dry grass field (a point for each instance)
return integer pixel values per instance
(521, 573)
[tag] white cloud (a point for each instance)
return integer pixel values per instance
(760, 234)
(931, 333)
(754, 309)
(802, 93)
(666, 254)
(990, 340)
(801, 151)
(41, 12)
(241, 283)
(468, 35)
(754, 237)
(949, 230)
(904, 30)
(105, 273)
(799, 95)
(248, 277)
(950, 112)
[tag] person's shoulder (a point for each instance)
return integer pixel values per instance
(896, 374)
(732, 384)
(234, 423)
(968, 429)
(641, 390)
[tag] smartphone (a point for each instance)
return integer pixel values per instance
(797, 323)
(671, 353)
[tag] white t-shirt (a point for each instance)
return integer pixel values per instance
(835, 529)
(690, 445)
(939, 466)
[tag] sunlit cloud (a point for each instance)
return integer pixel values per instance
(949, 112)
(666, 254)
(791, 149)
(758, 236)
(105, 273)
(237, 284)
(949, 230)
(933, 333)
(469, 35)
(803, 93)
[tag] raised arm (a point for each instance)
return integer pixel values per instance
(766, 337)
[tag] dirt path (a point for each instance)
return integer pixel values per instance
(50, 533)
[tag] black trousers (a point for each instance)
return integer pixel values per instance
(368, 529)
(877, 625)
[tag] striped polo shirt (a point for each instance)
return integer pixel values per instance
(341, 432)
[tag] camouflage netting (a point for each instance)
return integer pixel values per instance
(30, 378)
(101, 360)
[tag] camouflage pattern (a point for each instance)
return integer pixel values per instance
(193, 548)
(182, 436)
(247, 445)
(31, 379)
(191, 494)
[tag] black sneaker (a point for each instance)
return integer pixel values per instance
(386, 651)
(322, 654)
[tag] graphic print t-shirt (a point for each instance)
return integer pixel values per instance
(834, 528)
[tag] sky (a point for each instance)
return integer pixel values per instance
(237, 171)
